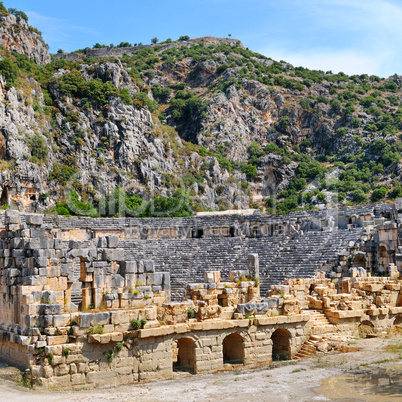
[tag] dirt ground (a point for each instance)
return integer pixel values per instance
(373, 373)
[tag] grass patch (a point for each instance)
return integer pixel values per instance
(289, 363)
(394, 348)
(320, 363)
(298, 370)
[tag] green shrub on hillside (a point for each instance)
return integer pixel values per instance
(187, 108)
(249, 170)
(17, 13)
(125, 96)
(78, 207)
(3, 10)
(38, 147)
(62, 174)
(379, 194)
(9, 71)
(97, 91)
(160, 93)
(284, 122)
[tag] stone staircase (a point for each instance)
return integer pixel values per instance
(309, 348)
(319, 323)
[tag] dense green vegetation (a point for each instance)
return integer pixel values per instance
(119, 203)
(95, 90)
(38, 147)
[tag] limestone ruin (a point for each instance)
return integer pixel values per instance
(116, 301)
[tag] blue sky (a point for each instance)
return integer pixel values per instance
(353, 36)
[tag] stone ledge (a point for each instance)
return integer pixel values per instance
(105, 338)
(345, 313)
(282, 319)
(161, 331)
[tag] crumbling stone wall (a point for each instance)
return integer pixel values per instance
(43, 275)
(298, 245)
(87, 300)
(82, 359)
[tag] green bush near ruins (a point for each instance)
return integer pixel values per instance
(138, 324)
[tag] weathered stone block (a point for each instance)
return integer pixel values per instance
(57, 340)
(60, 244)
(102, 377)
(47, 371)
(61, 320)
(149, 266)
(82, 367)
(140, 267)
(115, 254)
(12, 217)
(85, 319)
(41, 262)
(73, 244)
(36, 219)
(101, 318)
(128, 267)
(112, 241)
(78, 379)
(102, 242)
(166, 282)
(62, 369)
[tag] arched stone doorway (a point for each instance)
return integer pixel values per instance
(184, 355)
(281, 344)
(360, 261)
(366, 328)
(382, 258)
(233, 349)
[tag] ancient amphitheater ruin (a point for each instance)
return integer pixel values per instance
(93, 301)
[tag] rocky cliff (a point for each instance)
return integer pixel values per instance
(17, 36)
(203, 120)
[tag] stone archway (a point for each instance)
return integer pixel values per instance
(233, 349)
(366, 328)
(281, 344)
(360, 261)
(398, 321)
(4, 196)
(382, 258)
(184, 355)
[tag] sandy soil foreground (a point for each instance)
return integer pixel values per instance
(373, 373)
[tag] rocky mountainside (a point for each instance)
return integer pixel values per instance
(17, 36)
(204, 121)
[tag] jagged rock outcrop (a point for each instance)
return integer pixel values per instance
(17, 36)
